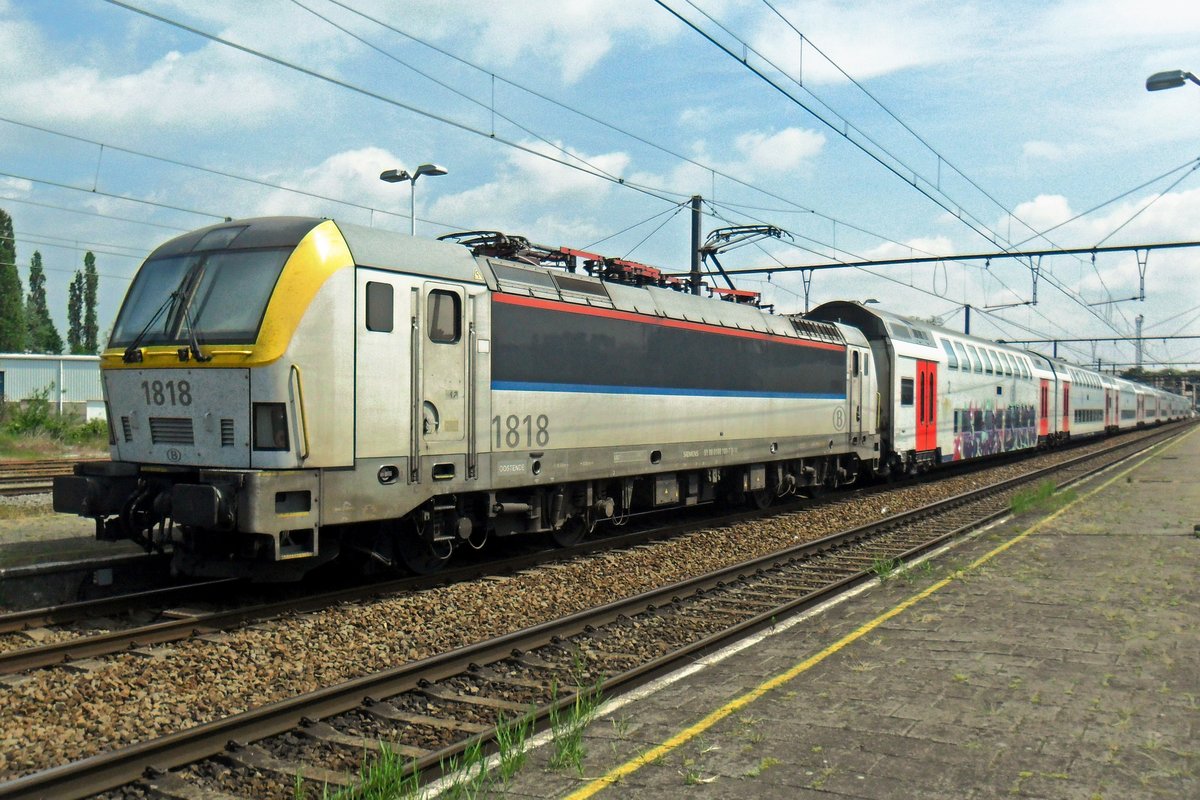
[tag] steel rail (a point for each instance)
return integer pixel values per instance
(64, 613)
(643, 673)
(92, 646)
(180, 628)
(109, 770)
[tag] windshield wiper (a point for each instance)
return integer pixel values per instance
(180, 302)
(133, 353)
(193, 341)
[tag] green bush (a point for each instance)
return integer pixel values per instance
(32, 417)
(36, 418)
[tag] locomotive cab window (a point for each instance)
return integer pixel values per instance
(855, 360)
(380, 307)
(906, 391)
(445, 317)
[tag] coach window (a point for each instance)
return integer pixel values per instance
(964, 363)
(445, 317)
(989, 366)
(906, 391)
(380, 316)
(1008, 363)
(951, 359)
(976, 364)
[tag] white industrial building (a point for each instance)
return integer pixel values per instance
(73, 381)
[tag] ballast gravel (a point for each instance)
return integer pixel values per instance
(53, 716)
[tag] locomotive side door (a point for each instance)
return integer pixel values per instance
(382, 397)
(1107, 407)
(438, 319)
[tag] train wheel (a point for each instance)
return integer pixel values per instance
(760, 498)
(571, 533)
(421, 557)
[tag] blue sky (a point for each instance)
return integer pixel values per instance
(1041, 106)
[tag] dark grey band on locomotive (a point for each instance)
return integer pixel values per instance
(550, 346)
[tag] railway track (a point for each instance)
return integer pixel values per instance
(75, 632)
(34, 477)
(432, 710)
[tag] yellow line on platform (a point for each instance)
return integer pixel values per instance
(629, 767)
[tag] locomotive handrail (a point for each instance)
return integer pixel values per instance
(300, 408)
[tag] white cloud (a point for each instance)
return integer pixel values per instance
(1046, 151)
(868, 39)
(536, 197)
(16, 185)
(573, 36)
(201, 89)
(1043, 212)
(912, 248)
(766, 154)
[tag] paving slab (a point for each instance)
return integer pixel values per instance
(1064, 666)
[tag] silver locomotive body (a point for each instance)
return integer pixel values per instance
(397, 398)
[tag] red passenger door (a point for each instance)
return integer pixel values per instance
(1066, 408)
(1044, 416)
(926, 405)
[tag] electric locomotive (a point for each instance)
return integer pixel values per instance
(282, 391)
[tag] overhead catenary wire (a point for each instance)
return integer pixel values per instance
(85, 212)
(941, 159)
(915, 181)
(1153, 200)
(797, 207)
(669, 211)
(843, 130)
(365, 92)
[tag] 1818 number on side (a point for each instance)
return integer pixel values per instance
(513, 431)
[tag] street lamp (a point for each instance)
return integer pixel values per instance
(397, 175)
(1169, 80)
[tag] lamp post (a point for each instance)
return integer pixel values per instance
(1169, 80)
(397, 175)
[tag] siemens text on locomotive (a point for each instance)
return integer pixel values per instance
(281, 391)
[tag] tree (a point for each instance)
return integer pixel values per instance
(12, 304)
(91, 281)
(75, 315)
(42, 337)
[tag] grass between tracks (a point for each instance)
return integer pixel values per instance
(473, 773)
(1041, 499)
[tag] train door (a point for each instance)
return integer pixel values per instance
(1044, 409)
(439, 317)
(926, 405)
(1066, 408)
(857, 365)
(382, 397)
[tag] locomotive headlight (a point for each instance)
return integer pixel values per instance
(270, 426)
